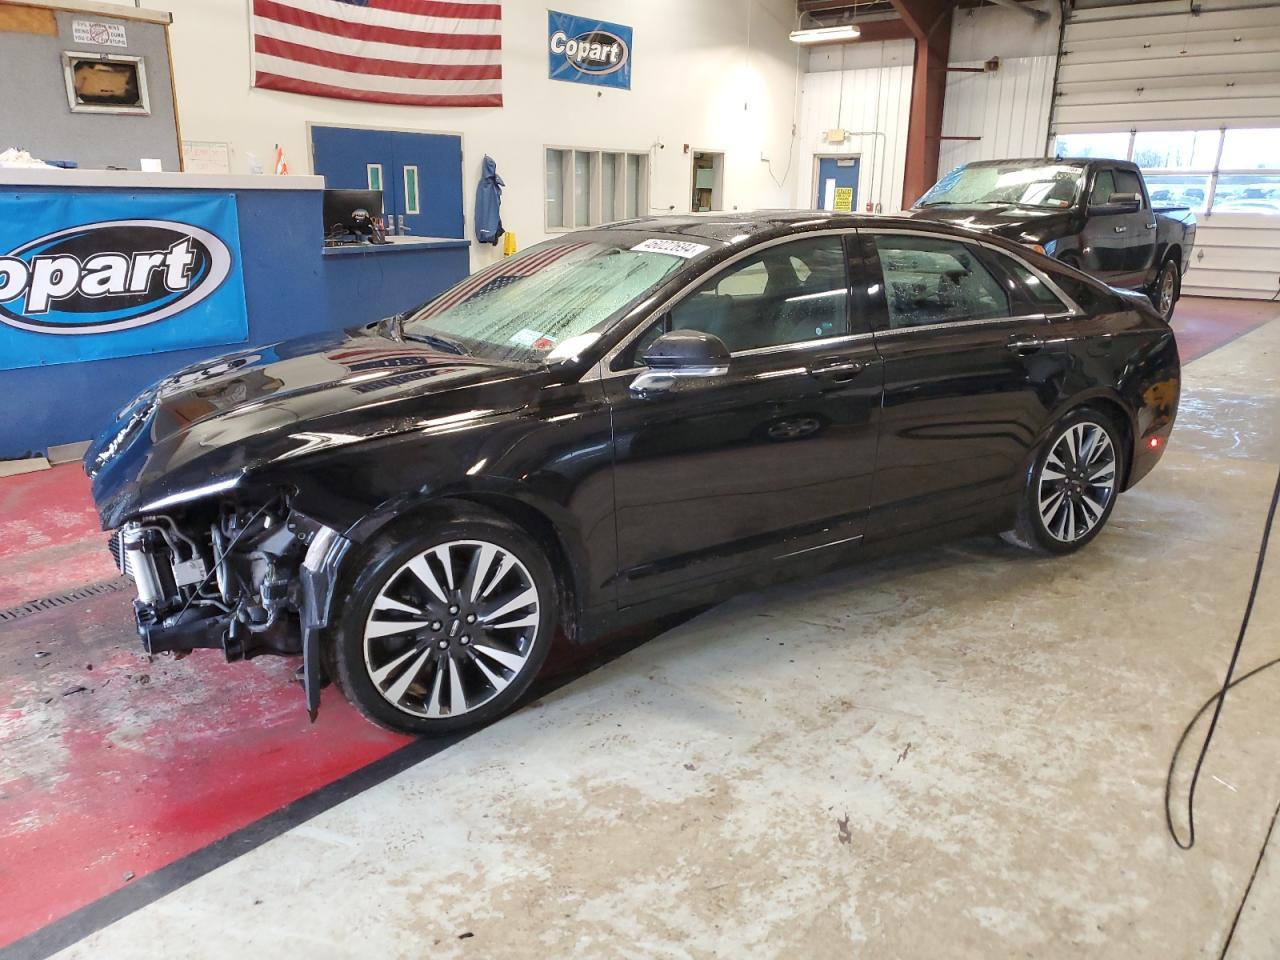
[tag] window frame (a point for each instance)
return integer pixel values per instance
(595, 176)
(139, 65)
(987, 253)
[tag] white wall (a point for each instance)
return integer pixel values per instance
(1007, 108)
(717, 75)
(866, 90)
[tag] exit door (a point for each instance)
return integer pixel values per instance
(419, 174)
(837, 186)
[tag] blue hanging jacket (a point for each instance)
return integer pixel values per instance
(488, 203)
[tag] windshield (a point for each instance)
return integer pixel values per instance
(547, 302)
(1053, 186)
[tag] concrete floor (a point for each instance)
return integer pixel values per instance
(958, 753)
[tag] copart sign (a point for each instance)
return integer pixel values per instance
(589, 51)
(88, 277)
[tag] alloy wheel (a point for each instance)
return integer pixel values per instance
(452, 628)
(1168, 281)
(1077, 481)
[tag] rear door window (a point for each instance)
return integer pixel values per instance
(929, 281)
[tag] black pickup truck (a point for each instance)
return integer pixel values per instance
(1093, 214)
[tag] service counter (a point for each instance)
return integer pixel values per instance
(110, 280)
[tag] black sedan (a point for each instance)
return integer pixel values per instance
(615, 424)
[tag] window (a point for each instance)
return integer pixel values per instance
(1037, 292)
(1216, 171)
(588, 187)
(1053, 185)
(929, 281)
(1104, 185)
(553, 296)
(104, 83)
(763, 301)
(411, 190)
(1104, 146)
(1176, 150)
(555, 189)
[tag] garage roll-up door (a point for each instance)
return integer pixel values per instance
(1165, 80)
(1162, 66)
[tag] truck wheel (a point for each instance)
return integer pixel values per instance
(1167, 288)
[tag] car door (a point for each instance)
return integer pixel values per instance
(1140, 236)
(970, 374)
(772, 461)
(1105, 251)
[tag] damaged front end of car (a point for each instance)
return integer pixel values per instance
(222, 574)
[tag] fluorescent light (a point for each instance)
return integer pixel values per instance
(846, 31)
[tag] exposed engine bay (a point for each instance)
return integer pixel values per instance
(227, 579)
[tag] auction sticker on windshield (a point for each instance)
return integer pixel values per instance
(677, 248)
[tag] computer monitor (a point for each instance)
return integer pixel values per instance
(352, 212)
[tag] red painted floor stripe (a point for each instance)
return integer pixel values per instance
(148, 763)
(1203, 324)
(50, 539)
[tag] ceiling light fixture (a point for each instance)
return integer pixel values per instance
(845, 31)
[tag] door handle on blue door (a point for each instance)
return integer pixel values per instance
(1121, 229)
(1024, 344)
(838, 371)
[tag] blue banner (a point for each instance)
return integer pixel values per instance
(88, 276)
(589, 51)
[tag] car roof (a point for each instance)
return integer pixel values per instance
(755, 225)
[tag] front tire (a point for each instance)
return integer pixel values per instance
(446, 625)
(1072, 485)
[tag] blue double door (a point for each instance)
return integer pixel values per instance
(419, 174)
(838, 184)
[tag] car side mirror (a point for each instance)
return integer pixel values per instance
(680, 355)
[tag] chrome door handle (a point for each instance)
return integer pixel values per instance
(1021, 345)
(1121, 229)
(844, 370)
(1151, 226)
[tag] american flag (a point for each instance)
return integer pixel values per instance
(429, 53)
(497, 276)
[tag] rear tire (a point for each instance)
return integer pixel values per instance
(1167, 289)
(446, 624)
(1072, 485)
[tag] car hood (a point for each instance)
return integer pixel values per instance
(1020, 224)
(221, 422)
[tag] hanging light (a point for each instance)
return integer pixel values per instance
(845, 31)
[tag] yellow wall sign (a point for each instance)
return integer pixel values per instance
(844, 199)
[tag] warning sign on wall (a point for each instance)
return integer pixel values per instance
(103, 34)
(844, 200)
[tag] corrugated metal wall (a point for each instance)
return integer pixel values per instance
(1159, 66)
(1007, 109)
(873, 103)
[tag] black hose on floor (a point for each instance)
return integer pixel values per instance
(1219, 698)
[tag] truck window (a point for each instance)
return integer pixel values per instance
(1127, 182)
(1104, 185)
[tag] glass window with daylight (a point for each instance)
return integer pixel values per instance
(790, 293)
(929, 281)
